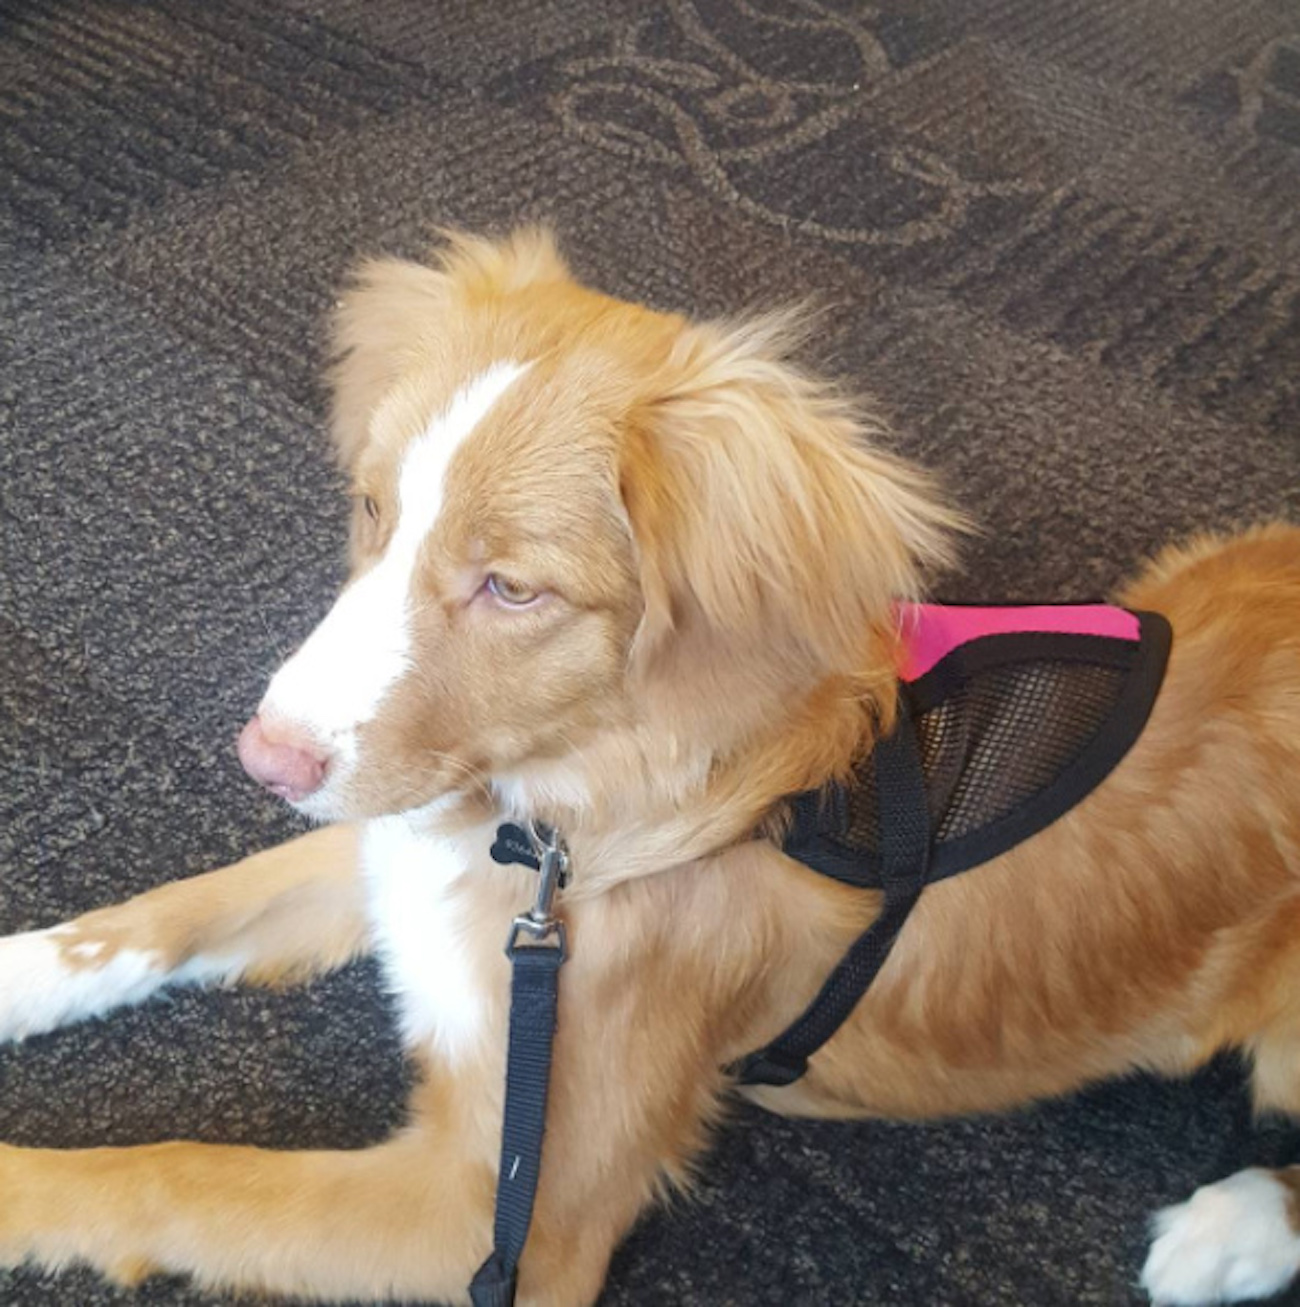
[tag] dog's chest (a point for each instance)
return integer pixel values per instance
(418, 923)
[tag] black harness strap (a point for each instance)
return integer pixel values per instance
(534, 990)
(905, 862)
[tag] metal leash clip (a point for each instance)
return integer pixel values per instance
(540, 922)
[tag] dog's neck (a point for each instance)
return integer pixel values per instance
(639, 800)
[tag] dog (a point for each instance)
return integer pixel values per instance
(637, 578)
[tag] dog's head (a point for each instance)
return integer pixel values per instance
(575, 519)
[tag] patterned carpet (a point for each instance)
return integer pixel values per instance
(1059, 239)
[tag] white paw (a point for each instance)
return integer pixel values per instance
(1232, 1242)
(44, 985)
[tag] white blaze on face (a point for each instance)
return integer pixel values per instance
(336, 681)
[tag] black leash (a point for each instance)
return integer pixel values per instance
(535, 970)
(534, 986)
(904, 824)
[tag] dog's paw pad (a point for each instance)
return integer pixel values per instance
(1231, 1242)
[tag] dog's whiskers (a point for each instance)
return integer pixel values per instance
(474, 774)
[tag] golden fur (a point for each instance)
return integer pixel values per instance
(719, 546)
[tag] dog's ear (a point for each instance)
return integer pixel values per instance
(392, 313)
(760, 511)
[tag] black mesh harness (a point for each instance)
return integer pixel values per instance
(995, 739)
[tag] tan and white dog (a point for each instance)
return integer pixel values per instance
(634, 577)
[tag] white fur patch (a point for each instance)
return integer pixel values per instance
(39, 991)
(1232, 1242)
(419, 932)
(336, 681)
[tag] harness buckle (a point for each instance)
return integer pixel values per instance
(539, 932)
(540, 922)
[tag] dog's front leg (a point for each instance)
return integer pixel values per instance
(287, 912)
(409, 1219)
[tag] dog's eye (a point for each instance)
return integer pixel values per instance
(514, 594)
(371, 507)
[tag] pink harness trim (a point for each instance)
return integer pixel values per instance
(932, 631)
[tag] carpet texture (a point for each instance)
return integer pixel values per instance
(1058, 239)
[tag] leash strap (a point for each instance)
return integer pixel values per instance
(534, 991)
(904, 822)
(535, 971)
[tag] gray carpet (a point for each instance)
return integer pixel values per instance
(1059, 239)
